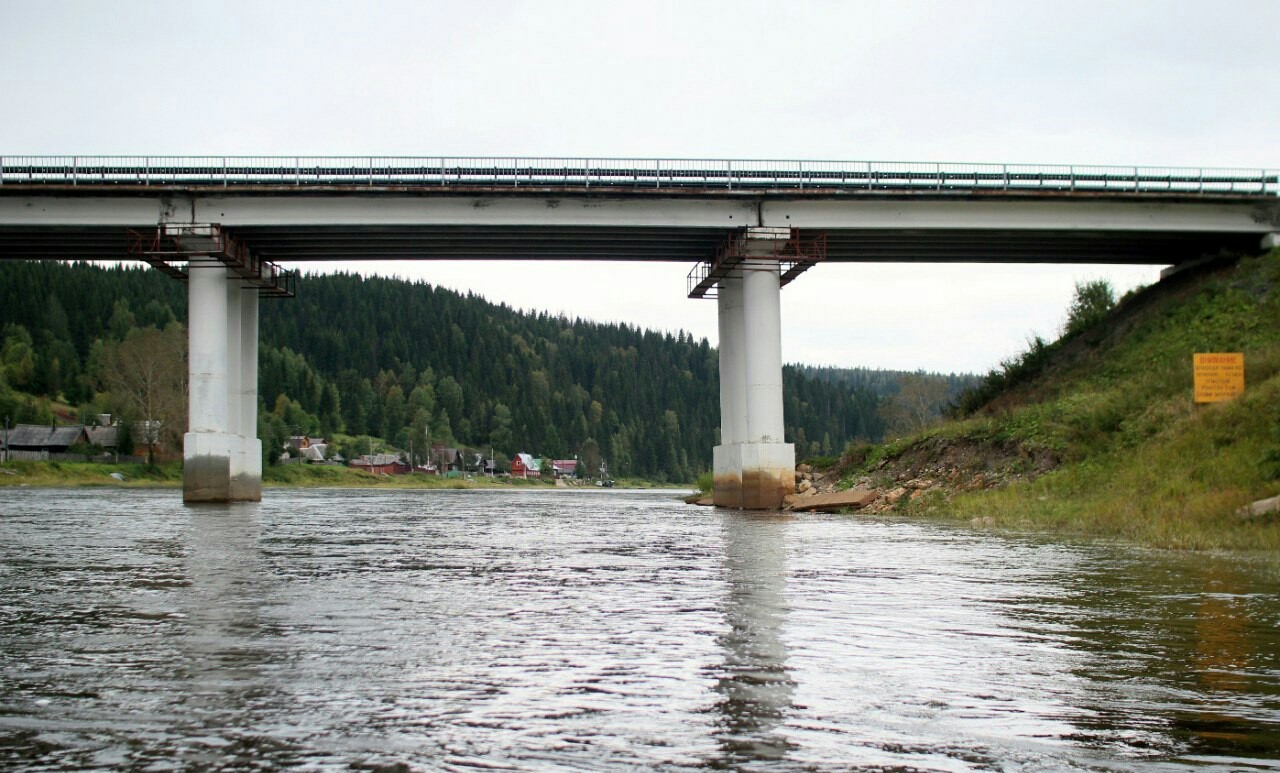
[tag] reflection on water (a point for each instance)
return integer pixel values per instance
(610, 630)
(230, 639)
(753, 683)
(1221, 658)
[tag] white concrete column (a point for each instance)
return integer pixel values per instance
(726, 458)
(234, 387)
(733, 374)
(249, 363)
(208, 445)
(207, 349)
(250, 487)
(766, 461)
(762, 315)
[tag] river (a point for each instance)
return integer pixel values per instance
(599, 630)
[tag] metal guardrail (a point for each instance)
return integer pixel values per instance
(626, 173)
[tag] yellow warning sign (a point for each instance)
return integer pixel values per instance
(1219, 376)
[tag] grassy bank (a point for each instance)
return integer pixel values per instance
(1097, 434)
(46, 474)
(169, 474)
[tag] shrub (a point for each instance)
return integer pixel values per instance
(1093, 301)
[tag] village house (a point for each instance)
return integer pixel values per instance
(315, 452)
(303, 442)
(311, 450)
(446, 459)
(525, 466)
(381, 464)
(564, 468)
(34, 442)
(106, 438)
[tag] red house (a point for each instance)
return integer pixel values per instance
(525, 466)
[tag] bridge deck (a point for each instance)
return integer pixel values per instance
(375, 208)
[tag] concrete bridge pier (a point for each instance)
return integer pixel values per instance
(726, 458)
(754, 468)
(222, 459)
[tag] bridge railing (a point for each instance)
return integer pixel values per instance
(627, 173)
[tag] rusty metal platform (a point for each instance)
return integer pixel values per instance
(172, 245)
(792, 257)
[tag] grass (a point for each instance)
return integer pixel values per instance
(45, 474)
(169, 474)
(1179, 489)
(1136, 459)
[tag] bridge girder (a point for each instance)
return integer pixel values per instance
(304, 226)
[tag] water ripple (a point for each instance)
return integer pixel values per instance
(451, 630)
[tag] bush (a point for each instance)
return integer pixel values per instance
(1093, 302)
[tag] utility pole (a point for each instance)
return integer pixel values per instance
(6, 440)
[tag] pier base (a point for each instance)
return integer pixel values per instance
(206, 466)
(753, 476)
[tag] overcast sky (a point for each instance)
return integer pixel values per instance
(1149, 83)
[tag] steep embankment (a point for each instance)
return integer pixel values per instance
(1097, 433)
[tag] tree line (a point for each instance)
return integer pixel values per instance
(412, 364)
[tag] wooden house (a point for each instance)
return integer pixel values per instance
(525, 466)
(381, 464)
(41, 437)
(446, 459)
(564, 468)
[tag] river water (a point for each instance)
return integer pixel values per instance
(610, 630)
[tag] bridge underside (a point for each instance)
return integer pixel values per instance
(282, 244)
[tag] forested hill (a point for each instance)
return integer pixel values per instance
(885, 383)
(407, 361)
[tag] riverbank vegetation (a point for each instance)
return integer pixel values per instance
(51, 474)
(169, 474)
(1096, 433)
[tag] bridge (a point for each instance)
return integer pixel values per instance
(224, 224)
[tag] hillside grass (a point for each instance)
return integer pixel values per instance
(1135, 458)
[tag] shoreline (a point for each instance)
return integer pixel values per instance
(168, 475)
